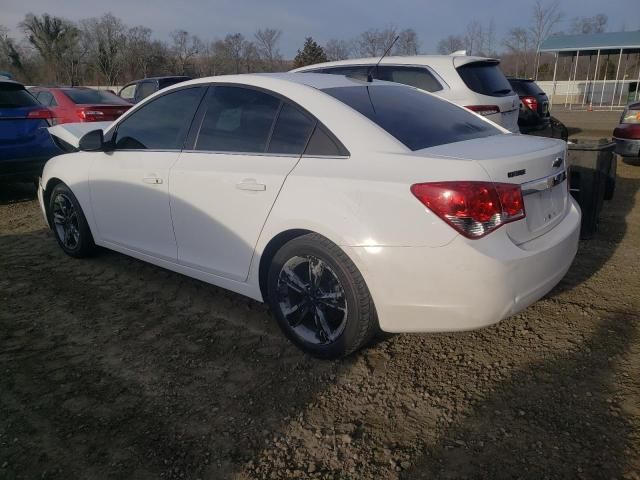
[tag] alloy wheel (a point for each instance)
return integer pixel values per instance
(312, 299)
(65, 220)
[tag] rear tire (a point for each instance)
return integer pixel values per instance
(68, 223)
(319, 298)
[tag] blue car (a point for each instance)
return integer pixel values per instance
(25, 143)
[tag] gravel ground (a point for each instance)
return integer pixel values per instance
(111, 368)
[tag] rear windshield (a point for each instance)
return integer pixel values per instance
(15, 96)
(82, 96)
(485, 78)
(417, 119)
(525, 87)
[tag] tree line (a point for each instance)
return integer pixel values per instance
(106, 51)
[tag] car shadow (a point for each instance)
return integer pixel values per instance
(544, 420)
(16, 192)
(115, 368)
(612, 227)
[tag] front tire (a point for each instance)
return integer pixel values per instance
(319, 298)
(68, 223)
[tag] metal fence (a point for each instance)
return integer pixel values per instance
(595, 94)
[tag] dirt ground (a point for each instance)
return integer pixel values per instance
(111, 368)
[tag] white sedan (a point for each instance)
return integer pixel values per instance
(349, 206)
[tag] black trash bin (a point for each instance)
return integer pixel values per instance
(592, 178)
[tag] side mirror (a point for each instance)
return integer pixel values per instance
(92, 141)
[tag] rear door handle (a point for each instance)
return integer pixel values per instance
(152, 180)
(251, 185)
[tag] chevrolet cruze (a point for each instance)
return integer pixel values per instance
(349, 206)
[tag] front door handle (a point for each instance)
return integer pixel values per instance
(251, 185)
(152, 180)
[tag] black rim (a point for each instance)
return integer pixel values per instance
(312, 300)
(65, 221)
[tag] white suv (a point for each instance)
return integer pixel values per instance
(476, 83)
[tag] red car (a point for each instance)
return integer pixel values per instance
(81, 104)
(627, 133)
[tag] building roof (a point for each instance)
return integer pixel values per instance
(593, 41)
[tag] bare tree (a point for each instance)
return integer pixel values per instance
(106, 42)
(407, 44)
(374, 42)
(53, 38)
(450, 44)
(519, 43)
(184, 48)
(544, 20)
(337, 49)
(474, 38)
(266, 45)
(585, 25)
(233, 46)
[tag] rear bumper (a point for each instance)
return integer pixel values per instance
(466, 284)
(627, 147)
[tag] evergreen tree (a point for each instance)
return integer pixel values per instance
(311, 53)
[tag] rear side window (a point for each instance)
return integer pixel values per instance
(525, 88)
(161, 124)
(237, 120)
(15, 96)
(485, 78)
(46, 99)
(359, 73)
(291, 132)
(324, 144)
(413, 76)
(417, 119)
(82, 96)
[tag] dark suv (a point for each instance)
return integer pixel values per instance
(135, 91)
(534, 113)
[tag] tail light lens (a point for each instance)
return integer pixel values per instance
(531, 102)
(484, 110)
(472, 208)
(43, 114)
(90, 115)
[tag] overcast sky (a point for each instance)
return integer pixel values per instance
(321, 19)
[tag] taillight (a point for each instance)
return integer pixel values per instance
(473, 208)
(91, 115)
(484, 110)
(531, 102)
(43, 114)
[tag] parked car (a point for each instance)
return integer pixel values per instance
(137, 90)
(627, 133)
(25, 143)
(81, 104)
(534, 114)
(476, 83)
(340, 202)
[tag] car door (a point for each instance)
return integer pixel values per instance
(129, 184)
(222, 189)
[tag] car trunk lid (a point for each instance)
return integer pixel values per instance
(536, 164)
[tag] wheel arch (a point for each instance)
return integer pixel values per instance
(269, 252)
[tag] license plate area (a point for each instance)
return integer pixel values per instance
(545, 201)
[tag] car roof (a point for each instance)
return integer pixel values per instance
(318, 81)
(428, 60)
(10, 82)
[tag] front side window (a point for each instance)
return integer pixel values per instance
(128, 92)
(145, 89)
(237, 119)
(161, 124)
(417, 119)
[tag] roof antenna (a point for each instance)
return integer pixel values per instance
(369, 76)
